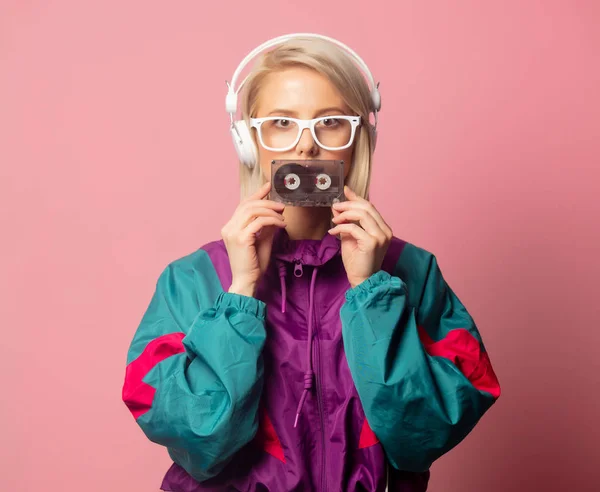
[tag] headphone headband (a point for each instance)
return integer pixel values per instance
(232, 93)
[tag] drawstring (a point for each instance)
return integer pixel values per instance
(282, 268)
(308, 375)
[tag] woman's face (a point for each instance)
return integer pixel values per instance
(302, 93)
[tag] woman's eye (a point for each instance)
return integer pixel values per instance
(329, 122)
(282, 123)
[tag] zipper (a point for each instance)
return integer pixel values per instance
(298, 271)
(318, 372)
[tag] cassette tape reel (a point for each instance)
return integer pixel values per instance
(307, 183)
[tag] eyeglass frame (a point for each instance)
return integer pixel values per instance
(355, 122)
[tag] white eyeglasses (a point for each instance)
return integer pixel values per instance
(281, 133)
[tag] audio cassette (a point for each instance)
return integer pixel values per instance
(307, 182)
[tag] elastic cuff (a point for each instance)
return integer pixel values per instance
(240, 303)
(373, 282)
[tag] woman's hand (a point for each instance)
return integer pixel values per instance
(364, 234)
(248, 237)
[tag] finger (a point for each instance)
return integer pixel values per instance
(366, 221)
(248, 209)
(258, 224)
(262, 203)
(356, 232)
(247, 213)
(370, 208)
(358, 205)
(352, 196)
(253, 214)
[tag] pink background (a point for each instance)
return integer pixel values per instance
(116, 159)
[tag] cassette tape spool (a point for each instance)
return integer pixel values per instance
(307, 183)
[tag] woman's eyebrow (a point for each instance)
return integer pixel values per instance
(334, 110)
(287, 112)
(284, 112)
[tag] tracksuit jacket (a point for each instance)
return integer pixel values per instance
(311, 385)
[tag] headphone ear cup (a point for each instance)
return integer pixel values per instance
(243, 143)
(376, 98)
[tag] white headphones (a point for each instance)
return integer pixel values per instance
(242, 139)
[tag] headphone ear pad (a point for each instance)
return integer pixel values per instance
(243, 143)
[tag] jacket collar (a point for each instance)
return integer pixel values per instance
(313, 252)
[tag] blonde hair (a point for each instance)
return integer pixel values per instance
(338, 67)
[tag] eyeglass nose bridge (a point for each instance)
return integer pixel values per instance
(310, 126)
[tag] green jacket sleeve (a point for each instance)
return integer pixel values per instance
(417, 360)
(194, 373)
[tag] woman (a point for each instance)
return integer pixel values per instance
(309, 349)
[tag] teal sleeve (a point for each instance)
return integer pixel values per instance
(199, 349)
(419, 367)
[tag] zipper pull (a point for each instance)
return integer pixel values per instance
(298, 268)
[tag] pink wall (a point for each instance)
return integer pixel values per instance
(115, 159)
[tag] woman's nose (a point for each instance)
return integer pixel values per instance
(307, 144)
